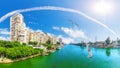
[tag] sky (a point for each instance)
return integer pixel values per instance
(69, 26)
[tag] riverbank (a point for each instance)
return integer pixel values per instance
(100, 46)
(108, 46)
(6, 60)
(16, 51)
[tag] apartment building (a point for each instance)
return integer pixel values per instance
(19, 32)
(17, 28)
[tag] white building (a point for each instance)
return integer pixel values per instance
(19, 32)
(17, 28)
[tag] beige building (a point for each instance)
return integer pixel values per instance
(39, 37)
(27, 35)
(17, 28)
(19, 32)
(53, 40)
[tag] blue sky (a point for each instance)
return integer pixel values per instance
(58, 22)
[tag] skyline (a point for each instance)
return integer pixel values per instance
(59, 23)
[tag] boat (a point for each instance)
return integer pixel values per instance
(89, 51)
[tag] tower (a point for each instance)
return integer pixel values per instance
(17, 28)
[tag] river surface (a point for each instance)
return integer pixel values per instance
(71, 56)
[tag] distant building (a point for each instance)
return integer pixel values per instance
(60, 41)
(19, 32)
(100, 43)
(53, 40)
(38, 37)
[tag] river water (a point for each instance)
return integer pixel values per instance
(71, 56)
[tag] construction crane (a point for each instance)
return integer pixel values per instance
(74, 23)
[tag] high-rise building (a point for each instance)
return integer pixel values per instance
(19, 32)
(17, 28)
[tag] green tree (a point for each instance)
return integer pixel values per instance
(108, 41)
(33, 43)
(14, 50)
(48, 41)
(2, 51)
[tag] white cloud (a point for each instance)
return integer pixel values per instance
(4, 38)
(74, 33)
(38, 30)
(51, 35)
(56, 28)
(30, 22)
(4, 31)
(65, 40)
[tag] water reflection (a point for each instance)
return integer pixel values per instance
(108, 51)
(72, 56)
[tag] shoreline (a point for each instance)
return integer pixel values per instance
(112, 47)
(6, 60)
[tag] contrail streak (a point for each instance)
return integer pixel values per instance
(57, 9)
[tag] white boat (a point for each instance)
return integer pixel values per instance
(89, 51)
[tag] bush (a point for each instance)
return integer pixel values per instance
(14, 50)
(33, 43)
